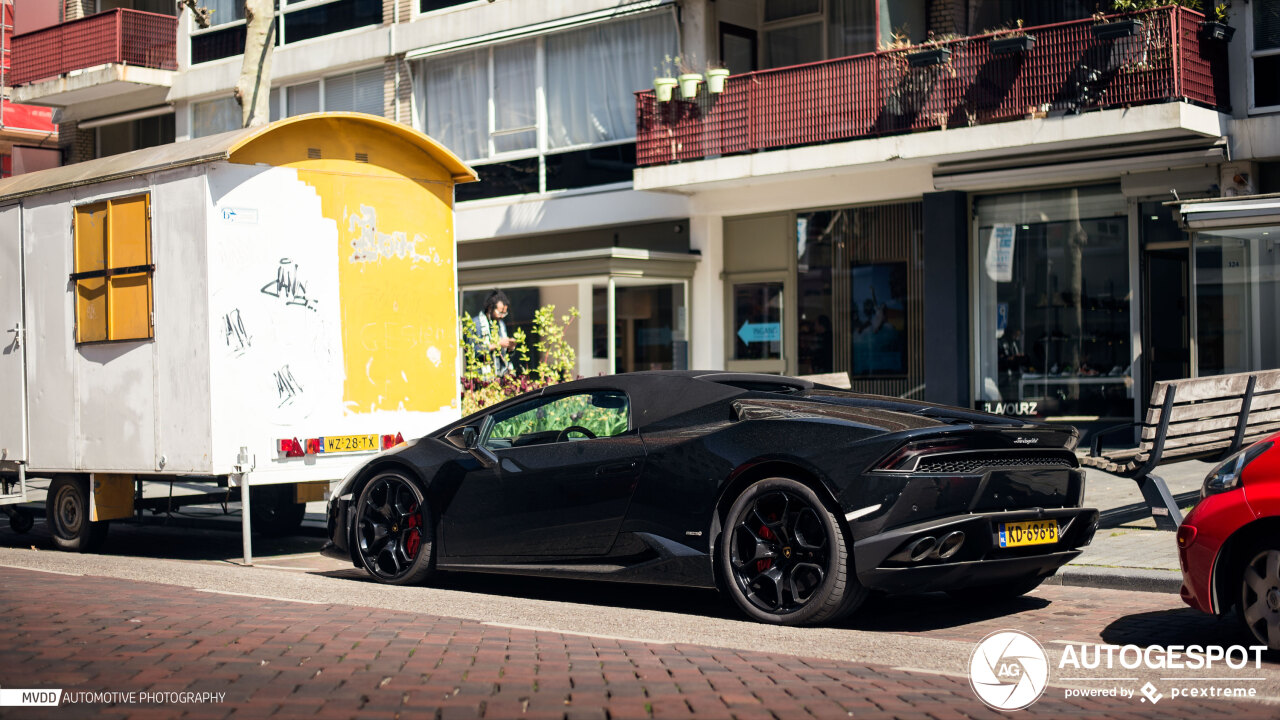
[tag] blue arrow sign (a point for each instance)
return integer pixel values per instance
(760, 332)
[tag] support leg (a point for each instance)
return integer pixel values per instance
(244, 519)
(1160, 500)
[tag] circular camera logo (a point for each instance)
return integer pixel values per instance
(1008, 670)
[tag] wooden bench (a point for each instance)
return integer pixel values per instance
(1187, 419)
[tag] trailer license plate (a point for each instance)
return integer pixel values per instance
(1038, 532)
(350, 443)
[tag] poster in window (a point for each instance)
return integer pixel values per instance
(879, 319)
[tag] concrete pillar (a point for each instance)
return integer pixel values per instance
(706, 294)
(946, 298)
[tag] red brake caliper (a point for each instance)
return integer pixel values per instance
(762, 565)
(413, 539)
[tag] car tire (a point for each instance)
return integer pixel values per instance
(273, 511)
(1259, 594)
(996, 591)
(393, 530)
(783, 556)
(67, 513)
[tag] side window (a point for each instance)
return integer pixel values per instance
(113, 270)
(602, 413)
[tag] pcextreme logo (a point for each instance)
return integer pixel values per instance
(1008, 670)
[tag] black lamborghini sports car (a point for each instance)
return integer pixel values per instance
(794, 499)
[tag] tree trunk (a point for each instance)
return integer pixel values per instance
(253, 89)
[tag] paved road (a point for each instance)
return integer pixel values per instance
(301, 634)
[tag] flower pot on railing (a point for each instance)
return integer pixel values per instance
(689, 85)
(929, 57)
(1011, 44)
(1116, 29)
(716, 78)
(662, 88)
(1210, 30)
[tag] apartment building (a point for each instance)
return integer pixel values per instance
(987, 202)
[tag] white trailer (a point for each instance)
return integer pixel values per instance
(263, 308)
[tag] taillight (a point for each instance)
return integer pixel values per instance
(315, 446)
(905, 454)
(390, 441)
(291, 447)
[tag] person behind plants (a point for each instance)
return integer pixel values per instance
(491, 333)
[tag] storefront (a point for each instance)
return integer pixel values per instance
(1054, 316)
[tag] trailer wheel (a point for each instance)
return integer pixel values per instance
(21, 519)
(273, 512)
(67, 512)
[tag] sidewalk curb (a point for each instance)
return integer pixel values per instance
(1108, 578)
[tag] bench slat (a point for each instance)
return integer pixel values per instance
(1191, 441)
(1225, 422)
(1193, 411)
(1215, 387)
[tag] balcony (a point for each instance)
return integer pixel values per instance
(123, 57)
(1069, 69)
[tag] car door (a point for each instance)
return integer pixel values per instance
(555, 491)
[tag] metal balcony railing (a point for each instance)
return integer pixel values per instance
(131, 37)
(1069, 69)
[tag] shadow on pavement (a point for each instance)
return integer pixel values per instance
(1184, 626)
(933, 611)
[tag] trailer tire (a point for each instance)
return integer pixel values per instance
(21, 520)
(67, 513)
(273, 512)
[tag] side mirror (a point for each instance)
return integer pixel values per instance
(463, 438)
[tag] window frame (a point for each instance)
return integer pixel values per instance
(1254, 54)
(282, 8)
(108, 271)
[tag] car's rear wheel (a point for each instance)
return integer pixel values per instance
(393, 533)
(783, 556)
(1260, 595)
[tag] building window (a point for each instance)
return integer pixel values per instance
(360, 91)
(511, 109)
(1054, 304)
(133, 135)
(1265, 51)
(299, 20)
(113, 270)
(210, 117)
(429, 5)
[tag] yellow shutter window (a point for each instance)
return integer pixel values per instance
(113, 270)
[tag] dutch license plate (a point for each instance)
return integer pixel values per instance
(350, 443)
(1036, 532)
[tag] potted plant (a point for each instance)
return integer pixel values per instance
(1012, 41)
(665, 81)
(717, 73)
(932, 52)
(1104, 29)
(689, 80)
(1217, 28)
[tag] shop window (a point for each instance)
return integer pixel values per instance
(1054, 304)
(113, 270)
(757, 321)
(650, 330)
(1237, 291)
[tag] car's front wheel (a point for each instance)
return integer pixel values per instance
(393, 533)
(1260, 595)
(783, 556)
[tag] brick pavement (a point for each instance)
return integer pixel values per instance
(286, 659)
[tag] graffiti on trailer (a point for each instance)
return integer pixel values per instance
(373, 246)
(234, 335)
(287, 387)
(288, 287)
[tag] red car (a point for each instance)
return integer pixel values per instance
(1229, 545)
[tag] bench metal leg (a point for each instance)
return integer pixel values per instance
(1160, 500)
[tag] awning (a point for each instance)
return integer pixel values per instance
(604, 262)
(27, 118)
(1243, 211)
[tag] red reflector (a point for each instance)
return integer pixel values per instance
(291, 447)
(390, 441)
(1186, 535)
(315, 445)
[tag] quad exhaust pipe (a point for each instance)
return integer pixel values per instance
(930, 547)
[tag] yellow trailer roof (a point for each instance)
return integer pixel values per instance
(279, 143)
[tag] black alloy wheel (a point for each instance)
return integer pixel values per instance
(1260, 596)
(784, 556)
(393, 530)
(67, 512)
